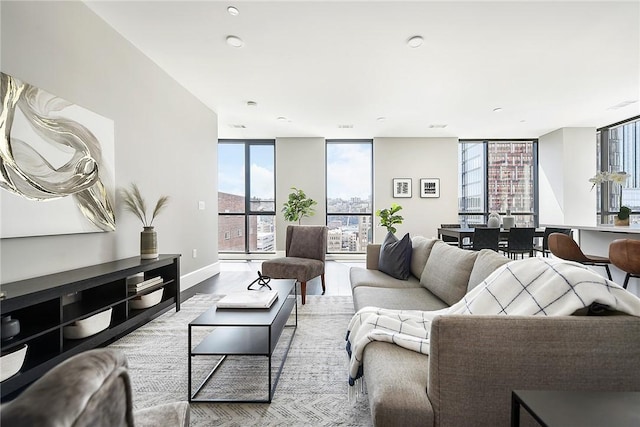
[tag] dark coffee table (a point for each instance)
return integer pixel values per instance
(245, 332)
(577, 408)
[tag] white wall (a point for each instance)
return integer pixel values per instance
(165, 139)
(300, 163)
(567, 159)
(416, 158)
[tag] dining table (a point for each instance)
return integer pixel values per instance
(462, 233)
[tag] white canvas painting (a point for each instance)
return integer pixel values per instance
(56, 165)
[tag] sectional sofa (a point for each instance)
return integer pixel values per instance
(476, 361)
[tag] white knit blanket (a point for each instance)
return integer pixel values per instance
(529, 287)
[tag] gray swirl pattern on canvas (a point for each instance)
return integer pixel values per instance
(27, 172)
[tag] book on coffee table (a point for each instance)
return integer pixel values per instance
(248, 299)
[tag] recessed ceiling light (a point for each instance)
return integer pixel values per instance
(415, 41)
(235, 41)
(282, 119)
(497, 110)
(233, 11)
(381, 119)
(238, 126)
(252, 104)
(437, 126)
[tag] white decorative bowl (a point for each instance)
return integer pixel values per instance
(148, 300)
(11, 363)
(89, 326)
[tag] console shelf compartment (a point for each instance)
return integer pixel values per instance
(44, 305)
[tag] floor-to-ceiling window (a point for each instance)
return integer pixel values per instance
(619, 151)
(349, 194)
(246, 196)
(498, 176)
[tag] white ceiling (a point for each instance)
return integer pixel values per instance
(321, 65)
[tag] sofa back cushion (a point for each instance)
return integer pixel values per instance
(420, 253)
(395, 256)
(447, 272)
(486, 263)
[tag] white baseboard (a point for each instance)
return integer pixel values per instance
(198, 276)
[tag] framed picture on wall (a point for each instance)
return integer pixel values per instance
(401, 187)
(429, 187)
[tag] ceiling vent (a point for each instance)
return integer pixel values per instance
(345, 126)
(238, 126)
(437, 126)
(621, 105)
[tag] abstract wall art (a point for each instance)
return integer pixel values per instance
(56, 164)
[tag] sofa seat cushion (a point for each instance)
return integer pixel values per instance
(486, 263)
(364, 277)
(405, 299)
(396, 380)
(447, 272)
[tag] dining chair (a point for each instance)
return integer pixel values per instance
(544, 247)
(485, 238)
(520, 241)
(565, 247)
(625, 254)
(448, 239)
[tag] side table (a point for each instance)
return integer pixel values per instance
(577, 408)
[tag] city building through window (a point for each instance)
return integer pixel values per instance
(349, 195)
(246, 196)
(498, 176)
(619, 151)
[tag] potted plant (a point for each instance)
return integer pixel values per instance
(618, 178)
(298, 205)
(135, 203)
(389, 217)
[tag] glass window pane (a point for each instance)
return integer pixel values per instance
(510, 177)
(348, 233)
(349, 190)
(472, 181)
(261, 158)
(231, 178)
(262, 233)
(349, 177)
(231, 231)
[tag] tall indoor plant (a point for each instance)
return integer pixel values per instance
(298, 205)
(135, 203)
(390, 217)
(617, 178)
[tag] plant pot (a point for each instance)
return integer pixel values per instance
(148, 243)
(620, 222)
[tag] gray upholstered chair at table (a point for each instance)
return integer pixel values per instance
(519, 242)
(305, 253)
(88, 389)
(544, 247)
(485, 238)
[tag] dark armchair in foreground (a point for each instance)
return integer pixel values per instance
(89, 389)
(306, 248)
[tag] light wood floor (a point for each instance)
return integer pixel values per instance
(236, 275)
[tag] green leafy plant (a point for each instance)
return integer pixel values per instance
(389, 217)
(135, 203)
(298, 206)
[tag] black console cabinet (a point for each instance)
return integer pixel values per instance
(44, 305)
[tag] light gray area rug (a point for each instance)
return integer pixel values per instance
(312, 390)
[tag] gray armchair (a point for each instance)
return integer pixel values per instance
(88, 389)
(305, 253)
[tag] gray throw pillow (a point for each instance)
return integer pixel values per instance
(395, 256)
(447, 272)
